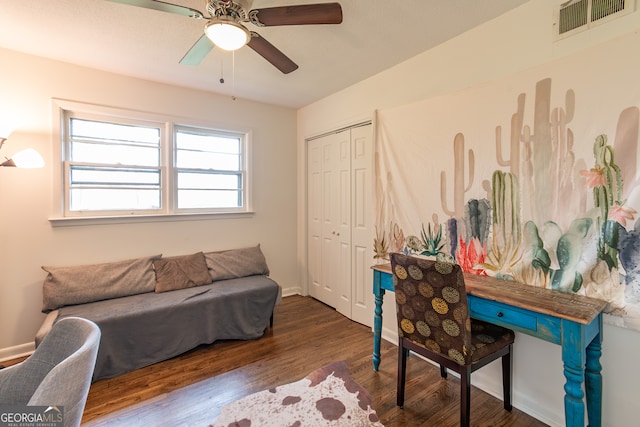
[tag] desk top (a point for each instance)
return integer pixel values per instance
(577, 308)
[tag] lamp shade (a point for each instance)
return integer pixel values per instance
(227, 34)
(5, 130)
(28, 158)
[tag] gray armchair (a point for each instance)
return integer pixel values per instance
(58, 373)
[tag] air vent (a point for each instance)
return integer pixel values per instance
(574, 16)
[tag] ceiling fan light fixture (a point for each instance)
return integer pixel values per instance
(226, 33)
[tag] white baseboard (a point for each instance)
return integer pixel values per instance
(287, 292)
(21, 350)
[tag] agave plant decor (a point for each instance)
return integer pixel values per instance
(432, 243)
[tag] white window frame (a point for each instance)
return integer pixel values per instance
(169, 126)
(242, 173)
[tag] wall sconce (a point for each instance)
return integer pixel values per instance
(28, 158)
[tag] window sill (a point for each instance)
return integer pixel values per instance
(133, 219)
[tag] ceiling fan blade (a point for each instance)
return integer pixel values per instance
(198, 51)
(164, 7)
(271, 53)
(304, 14)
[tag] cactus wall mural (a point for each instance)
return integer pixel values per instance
(460, 187)
(536, 189)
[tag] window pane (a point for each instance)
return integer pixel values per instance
(112, 143)
(188, 180)
(211, 169)
(114, 177)
(103, 131)
(115, 154)
(193, 199)
(205, 160)
(207, 142)
(207, 151)
(97, 199)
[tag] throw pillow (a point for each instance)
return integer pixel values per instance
(235, 263)
(180, 272)
(87, 283)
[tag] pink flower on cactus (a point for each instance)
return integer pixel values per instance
(620, 214)
(468, 256)
(594, 177)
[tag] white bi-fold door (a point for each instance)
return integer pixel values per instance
(340, 221)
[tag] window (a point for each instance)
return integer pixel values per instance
(209, 169)
(115, 166)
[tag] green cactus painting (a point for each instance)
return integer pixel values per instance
(506, 209)
(559, 257)
(504, 254)
(477, 220)
(606, 183)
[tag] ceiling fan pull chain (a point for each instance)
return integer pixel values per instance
(233, 75)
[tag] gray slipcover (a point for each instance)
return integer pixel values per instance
(143, 329)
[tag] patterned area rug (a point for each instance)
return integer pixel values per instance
(326, 397)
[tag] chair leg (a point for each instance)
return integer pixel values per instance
(402, 373)
(443, 371)
(507, 368)
(465, 396)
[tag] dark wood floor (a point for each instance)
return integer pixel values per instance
(190, 390)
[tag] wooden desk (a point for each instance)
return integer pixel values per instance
(572, 321)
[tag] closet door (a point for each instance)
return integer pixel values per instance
(323, 189)
(342, 226)
(314, 217)
(362, 220)
(340, 221)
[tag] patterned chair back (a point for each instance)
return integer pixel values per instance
(432, 309)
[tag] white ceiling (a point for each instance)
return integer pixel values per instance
(374, 35)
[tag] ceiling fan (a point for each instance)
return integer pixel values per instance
(225, 25)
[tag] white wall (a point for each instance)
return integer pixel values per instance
(513, 42)
(28, 240)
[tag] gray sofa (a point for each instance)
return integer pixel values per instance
(153, 308)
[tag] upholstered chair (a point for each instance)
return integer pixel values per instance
(58, 373)
(434, 322)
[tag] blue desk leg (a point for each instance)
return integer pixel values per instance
(377, 326)
(574, 359)
(593, 382)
